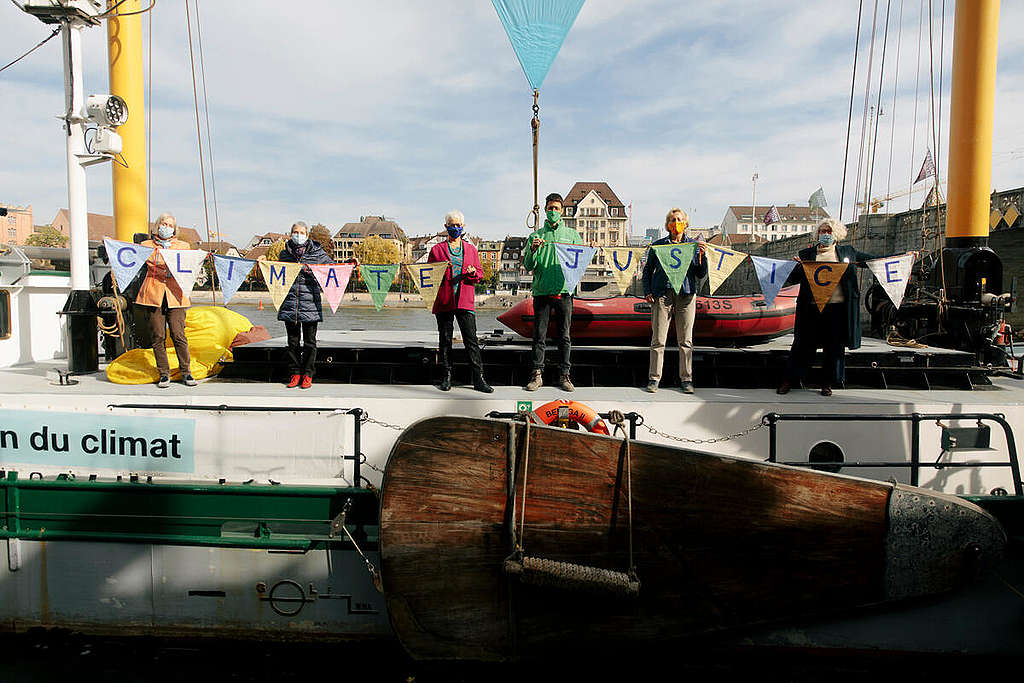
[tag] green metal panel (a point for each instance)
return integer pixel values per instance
(243, 516)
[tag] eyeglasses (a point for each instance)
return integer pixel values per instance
(455, 226)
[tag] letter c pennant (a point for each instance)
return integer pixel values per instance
(823, 277)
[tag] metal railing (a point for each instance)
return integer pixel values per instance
(634, 419)
(915, 420)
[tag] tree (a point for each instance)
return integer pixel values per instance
(274, 251)
(374, 249)
(48, 236)
(322, 234)
(490, 276)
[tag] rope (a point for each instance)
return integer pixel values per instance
(917, 93)
(199, 134)
(878, 108)
(37, 46)
(849, 116)
(149, 129)
(618, 419)
(522, 510)
(535, 127)
(892, 130)
(894, 338)
(864, 116)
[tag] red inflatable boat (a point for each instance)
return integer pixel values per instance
(725, 319)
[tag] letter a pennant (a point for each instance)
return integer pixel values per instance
(771, 275)
(378, 279)
(231, 273)
(126, 260)
(893, 274)
(721, 262)
(574, 259)
(184, 265)
(823, 279)
(675, 259)
(624, 262)
(333, 279)
(428, 277)
(279, 276)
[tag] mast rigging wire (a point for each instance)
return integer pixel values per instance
(892, 130)
(878, 108)
(864, 117)
(38, 45)
(849, 115)
(917, 93)
(206, 109)
(149, 127)
(199, 134)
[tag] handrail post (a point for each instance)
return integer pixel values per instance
(915, 449)
(357, 445)
(773, 419)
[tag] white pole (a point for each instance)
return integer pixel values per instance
(753, 206)
(75, 140)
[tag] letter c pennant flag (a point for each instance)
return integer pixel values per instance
(721, 262)
(185, 265)
(428, 277)
(126, 260)
(893, 274)
(279, 276)
(823, 277)
(675, 260)
(333, 279)
(231, 273)
(574, 259)
(624, 262)
(771, 275)
(378, 279)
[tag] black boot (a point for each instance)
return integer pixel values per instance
(446, 381)
(481, 385)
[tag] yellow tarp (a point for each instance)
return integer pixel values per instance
(209, 329)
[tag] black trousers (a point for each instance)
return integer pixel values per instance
(467, 325)
(301, 360)
(542, 309)
(831, 339)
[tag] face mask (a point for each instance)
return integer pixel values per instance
(553, 216)
(677, 228)
(299, 238)
(454, 230)
(165, 231)
(826, 239)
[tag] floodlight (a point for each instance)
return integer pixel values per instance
(107, 110)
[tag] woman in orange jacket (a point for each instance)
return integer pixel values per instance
(161, 293)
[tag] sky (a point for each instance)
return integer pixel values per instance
(326, 111)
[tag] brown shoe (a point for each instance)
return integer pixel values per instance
(784, 387)
(566, 384)
(826, 390)
(536, 381)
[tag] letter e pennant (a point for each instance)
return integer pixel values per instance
(893, 274)
(333, 279)
(823, 279)
(574, 259)
(428, 278)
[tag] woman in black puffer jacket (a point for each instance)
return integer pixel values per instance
(301, 309)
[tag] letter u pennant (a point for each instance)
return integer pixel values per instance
(823, 279)
(333, 279)
(574, 259)
(428, 277)
(624, 262)
(279, 276)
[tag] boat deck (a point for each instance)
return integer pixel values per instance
(374, 357)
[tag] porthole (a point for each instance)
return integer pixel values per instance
(826, 456)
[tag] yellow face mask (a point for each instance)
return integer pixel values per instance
(677, 227)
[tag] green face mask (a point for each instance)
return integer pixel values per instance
(553, 216)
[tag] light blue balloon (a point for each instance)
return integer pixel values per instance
(537, 29)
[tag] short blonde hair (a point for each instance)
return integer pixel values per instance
(838, 229)
(454, 217)
(668, 216)
(160, 219)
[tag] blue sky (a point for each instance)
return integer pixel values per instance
(409, 109)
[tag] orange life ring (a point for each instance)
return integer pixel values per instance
(577, 412)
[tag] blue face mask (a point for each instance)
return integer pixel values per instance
(826, 239)
(165, 231)
(454, 230)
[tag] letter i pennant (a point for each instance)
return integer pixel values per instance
(378, 279)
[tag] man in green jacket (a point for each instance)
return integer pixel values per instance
(549, 290)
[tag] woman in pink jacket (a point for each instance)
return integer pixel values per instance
(455, 300)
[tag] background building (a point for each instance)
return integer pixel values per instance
(101, 225)
(598, 215)
(17, 224)
(793, 220)
(352, 234)
(512, 275)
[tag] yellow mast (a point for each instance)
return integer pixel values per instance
(124, 52)
(975, 42)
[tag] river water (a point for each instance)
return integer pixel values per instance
(367, 319)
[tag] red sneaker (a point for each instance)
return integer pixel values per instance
(294, 382)
(307, 381)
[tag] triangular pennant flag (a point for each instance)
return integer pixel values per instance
(333, 279)
(126, 260)
(428, 277)
(574, 259)
(823, 277)
(771, 275)
(378, 279)
(279, 276)
(184, 265)
(231, 273)
(927, 167)
(624, 263)
(772, 216)
(721, 262)
(675, 260)
(537, 31)
(817, 200)
(893, 274)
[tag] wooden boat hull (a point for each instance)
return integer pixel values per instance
(732, 319)
(719, 542)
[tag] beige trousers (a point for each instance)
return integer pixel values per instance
(684, 308)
